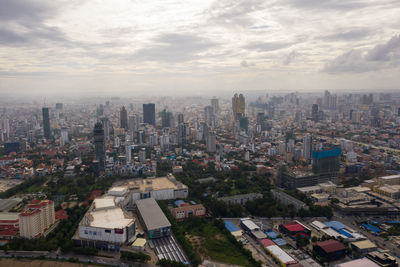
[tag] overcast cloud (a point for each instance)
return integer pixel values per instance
(197, 46)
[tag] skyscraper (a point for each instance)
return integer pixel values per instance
(99, 149)
(46, 123)
(166, 118)
(238, 106)
(149, 114)
(211, 142)
(215, 105)
(64, 136)
(314, 113)
(106, 126)
(182, 133)
(124, 118)
(307, 146)
(209, 116)
(180, 118)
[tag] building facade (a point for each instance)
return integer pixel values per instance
(36, 219)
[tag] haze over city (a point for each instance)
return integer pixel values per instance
(191, 47)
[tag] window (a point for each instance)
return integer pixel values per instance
(86, 232)
(107, 231)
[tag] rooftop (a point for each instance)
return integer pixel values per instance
(330, 246)
(101, 203)
(108, 218)
(152, 214)
(365, 244)
(397, 176)
(154, 184)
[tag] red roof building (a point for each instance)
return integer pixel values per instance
(330, 249)
(61, 215)
(293, 229)
(266, 242)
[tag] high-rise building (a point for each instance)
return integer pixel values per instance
(211, 142)
(244, 123)
(182, 133)
(106, 127)
(398, 112)
(238, 106)
(166, 118)
(99, 148)
(180, 118)
(315, 113)
(215, 105)
(123, 118)
(209, 116)
(59, 106)
(307, 146)
(46, 123)
(128, 153)
(326, 159)
(133, 123)
(64, 136)
(36, 218)
(149, 114)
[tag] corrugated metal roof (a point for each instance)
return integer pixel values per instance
(152, 214)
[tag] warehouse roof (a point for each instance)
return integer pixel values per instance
(365, 244)
(330, 246)
(7, 204)
(294, 227)
(152, 214)
(364, 262)
(336, 225)
(266, 242)
(281, 255)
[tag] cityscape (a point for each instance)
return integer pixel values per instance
(202, 133)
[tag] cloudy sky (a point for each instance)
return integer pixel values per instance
(198, 46)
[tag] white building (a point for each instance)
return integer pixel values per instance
(106, 224)
(36, 219)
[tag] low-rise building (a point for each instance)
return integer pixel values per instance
(363, 247)
(240, 199)
(331, 250)
(288, 199)
(383, 259)
(153, 218)
(187, 210)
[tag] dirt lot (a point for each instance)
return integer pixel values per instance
(38, 263)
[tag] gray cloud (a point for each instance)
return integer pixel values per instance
(174, 48)
(290, 58)
(233, 13)
(328, 4)
(382, 56)
(348, 35)
(268, 46)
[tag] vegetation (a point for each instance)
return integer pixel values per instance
(134, 256)
(169, 263)
(27, 186)
(394, 230)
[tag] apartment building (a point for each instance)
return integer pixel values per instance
(36, 219)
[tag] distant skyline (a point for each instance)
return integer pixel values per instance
(198, 47)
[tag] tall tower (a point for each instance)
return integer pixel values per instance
(124, 118)
(106, 126)
(99, 148)
(314, 113)
(238, 106)
(209, 116)
(46, 123)
(307, 146)
(149, 113)
(211, 142)
(215, 105)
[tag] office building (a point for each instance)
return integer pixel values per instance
(180, 118)
(244, 123)
(153, 218)
(296, 179)
(215, 105)
(182, 128)
(307, 146)
(209, 116)
(315, 113)
(46, 123)
(166, 118)
(59, 106)
(128, 153)
(149, 114)
(64, 136)
(133, 123)
(123, 115)
(211, 142)
(106, 128)
(35, 221)
(238, 106)
(240, 199)
(99, 148)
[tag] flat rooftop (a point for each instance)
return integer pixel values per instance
(152, 214)
(397, 176)
(101, 203)
(154, 184)
(108, 218)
